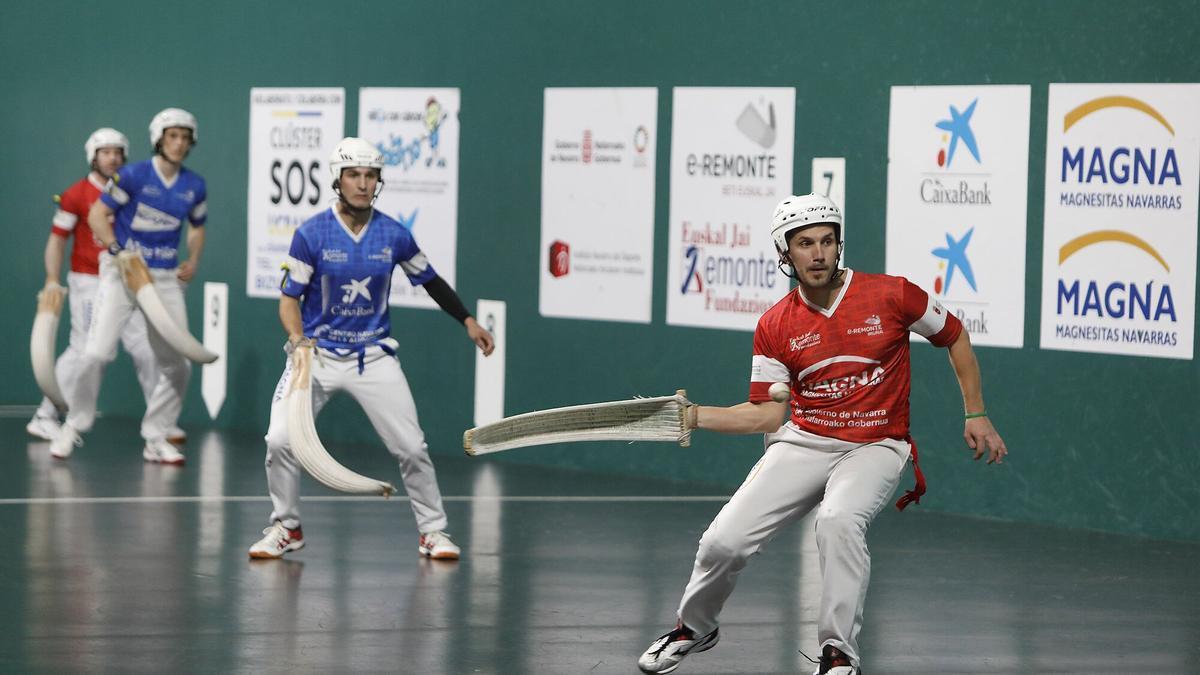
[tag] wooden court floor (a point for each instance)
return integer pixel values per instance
(111, 565)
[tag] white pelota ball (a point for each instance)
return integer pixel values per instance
(780, 391)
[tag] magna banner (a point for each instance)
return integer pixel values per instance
(958, 171)
(292, 133)
(597, 248)
(1119, 254)
(731, 162)
(417, 132)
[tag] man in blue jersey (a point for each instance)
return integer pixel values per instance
(336, 285)
(142, 213)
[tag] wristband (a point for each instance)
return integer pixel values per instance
(971, 416)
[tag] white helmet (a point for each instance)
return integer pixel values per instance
(104, 137)
(800, 211)
(170, 118)
(351, 152)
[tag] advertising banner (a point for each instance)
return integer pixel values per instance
(958, 171)
(292, 132)
(417, 131)
(597, 245)
(731, 163)
(1119, 253)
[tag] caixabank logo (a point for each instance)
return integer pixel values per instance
(961, 177)
(1120, 222)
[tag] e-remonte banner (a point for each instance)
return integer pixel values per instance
(958, 171)
(292, 133)
(731, 163)
(1119, 254)
(417, 131)
(597, 252)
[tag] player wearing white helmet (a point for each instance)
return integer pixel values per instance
(840, 342)
(105, 151)
(334, 300)
(142, 213)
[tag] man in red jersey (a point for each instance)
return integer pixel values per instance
(840, 342)
(106, 151)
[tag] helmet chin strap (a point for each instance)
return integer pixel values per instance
(789, 270)
(356, 210)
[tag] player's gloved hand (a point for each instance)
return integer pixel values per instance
(295, 343)
(51, 296)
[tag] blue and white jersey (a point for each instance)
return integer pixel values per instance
(345, 279)
(150, 211)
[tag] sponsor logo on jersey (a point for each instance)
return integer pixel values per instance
(149, 219)
(837, 387)
(795, 344)
(384, 255)
(355, 289)
(872, 325)
(334, 255)
(151, 191)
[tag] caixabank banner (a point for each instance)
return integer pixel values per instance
(597, 242)
(1119, 257)
(292, 133)
(731, 163)
(958, 171)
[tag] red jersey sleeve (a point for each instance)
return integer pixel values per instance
(66, 216)
(767, 366)
(926, 317)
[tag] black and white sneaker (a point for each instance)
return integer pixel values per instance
(665, 653)
(834, 662)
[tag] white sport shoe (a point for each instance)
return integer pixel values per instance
(162, 452)
(176, 436)
(45, 428)
(65, 442)
(276, 541)
(437, 545)
(665, 654)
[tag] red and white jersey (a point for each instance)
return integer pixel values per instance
(848, 365)
(71, 219)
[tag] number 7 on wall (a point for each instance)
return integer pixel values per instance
(829, 179)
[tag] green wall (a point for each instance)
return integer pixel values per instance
(1097, 441)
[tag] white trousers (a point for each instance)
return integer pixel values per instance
(799, 470)
(81, 296)
(112, 311)
(382, 391)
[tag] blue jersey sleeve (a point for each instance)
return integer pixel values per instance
(413, 261)
(298, 267)
(123, 183)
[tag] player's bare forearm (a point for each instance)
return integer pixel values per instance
(99, 220)
(978, 431)
(289, 316)
(966, 369)
(56, 248)
(743, 418)
(195, 243)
